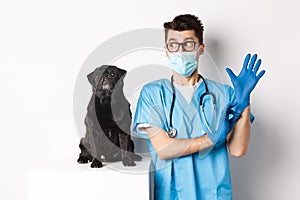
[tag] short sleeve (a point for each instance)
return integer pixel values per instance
(149, 112)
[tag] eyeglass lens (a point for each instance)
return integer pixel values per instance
(187, 46)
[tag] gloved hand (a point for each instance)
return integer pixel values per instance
(219, 136)
(245, 82)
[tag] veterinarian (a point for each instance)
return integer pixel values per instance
(191, 122)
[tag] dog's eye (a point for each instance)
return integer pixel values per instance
(112, 74)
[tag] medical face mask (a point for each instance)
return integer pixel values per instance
(184, 63)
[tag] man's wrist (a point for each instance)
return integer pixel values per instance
(205, 141)
(241, 106)
(246, 111)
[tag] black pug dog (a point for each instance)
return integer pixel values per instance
(107, 121)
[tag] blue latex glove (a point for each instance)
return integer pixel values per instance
(219, 136)
(245, 82)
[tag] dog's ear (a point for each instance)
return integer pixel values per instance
(90, 77)
(122, 73)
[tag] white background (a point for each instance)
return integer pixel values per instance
(44, 43)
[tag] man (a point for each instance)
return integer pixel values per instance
(189, 144)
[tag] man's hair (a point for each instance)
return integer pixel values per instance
(185, 22)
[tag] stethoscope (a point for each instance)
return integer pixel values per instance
(172, 133)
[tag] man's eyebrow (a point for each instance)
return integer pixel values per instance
(172, 39)
(188, 38)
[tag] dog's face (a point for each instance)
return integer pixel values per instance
(106, 79)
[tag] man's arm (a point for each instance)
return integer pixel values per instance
(238, 139)
(167, 147)
(243, 85)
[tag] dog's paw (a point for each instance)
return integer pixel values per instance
(84, 159)
(135, 157)
(96, 164)
(128, 162)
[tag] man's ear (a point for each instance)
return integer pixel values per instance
(167, 52)
(201, 50)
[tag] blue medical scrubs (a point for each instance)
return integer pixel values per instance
(200, 176)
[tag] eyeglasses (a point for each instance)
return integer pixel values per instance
(187, 46)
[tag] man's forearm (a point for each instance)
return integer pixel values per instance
(183, 147)
(167, 147)
(239, 138)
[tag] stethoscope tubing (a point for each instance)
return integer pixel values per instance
(172, 133)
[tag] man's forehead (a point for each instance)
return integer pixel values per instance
(181, 35)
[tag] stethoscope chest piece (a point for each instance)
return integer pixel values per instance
(172, 132)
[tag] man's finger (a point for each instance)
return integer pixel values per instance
(253, 59)
(261, 74)
(230, 73)
(257, 65)
(246, 61)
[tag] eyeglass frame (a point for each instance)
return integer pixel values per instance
(181, 44)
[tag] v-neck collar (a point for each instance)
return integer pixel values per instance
(180, 96)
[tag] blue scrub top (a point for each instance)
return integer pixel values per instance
(204, 175)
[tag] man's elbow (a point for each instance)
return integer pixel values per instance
(165, 154)
(238, 154)
(162, 156)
